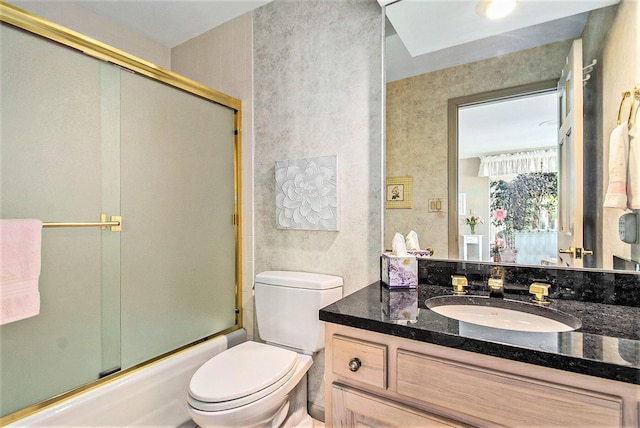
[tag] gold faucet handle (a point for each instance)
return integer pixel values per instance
(459, 282)
(495, 283)
(497, 272)
(540, 292)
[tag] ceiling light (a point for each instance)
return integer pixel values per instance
(496, 9)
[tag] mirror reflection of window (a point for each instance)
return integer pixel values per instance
(508, 173)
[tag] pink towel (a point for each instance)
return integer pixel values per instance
(616, 196)
(19, 269)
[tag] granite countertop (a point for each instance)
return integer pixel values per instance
(607, 345)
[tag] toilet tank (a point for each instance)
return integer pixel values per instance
(287, 305)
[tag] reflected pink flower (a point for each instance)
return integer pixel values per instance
(500, 215)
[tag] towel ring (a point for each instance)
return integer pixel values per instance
(625, 95)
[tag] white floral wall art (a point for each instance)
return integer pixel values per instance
(307, 193)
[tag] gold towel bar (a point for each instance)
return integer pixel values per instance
(115, 223)
(634, 104)
(625, 95)
(635, 100)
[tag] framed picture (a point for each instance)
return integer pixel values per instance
(399, 191)
(462, 203)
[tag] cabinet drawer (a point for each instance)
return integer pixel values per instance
(372, 357)
(492, 395)
(353, 408)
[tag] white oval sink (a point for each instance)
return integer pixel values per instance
(503, 314)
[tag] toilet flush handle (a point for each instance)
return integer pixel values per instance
(355, 364)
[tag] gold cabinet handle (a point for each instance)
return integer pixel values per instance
(355, 364)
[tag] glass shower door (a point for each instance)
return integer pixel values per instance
(178, 241)
(81, 137)
(51, 158)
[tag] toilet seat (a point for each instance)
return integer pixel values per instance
(240, 375)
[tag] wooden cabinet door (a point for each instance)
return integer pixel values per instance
(354, 408)
(503, 398)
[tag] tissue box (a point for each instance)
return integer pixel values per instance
(400, 304)
(399, 271)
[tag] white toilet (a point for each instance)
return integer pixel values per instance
(265, 385)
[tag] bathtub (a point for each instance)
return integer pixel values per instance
(153, 396)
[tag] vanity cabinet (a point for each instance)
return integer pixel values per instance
(373, 379)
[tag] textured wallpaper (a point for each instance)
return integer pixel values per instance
(318, 92)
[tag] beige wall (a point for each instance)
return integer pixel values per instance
(476, 190)
(417, 130)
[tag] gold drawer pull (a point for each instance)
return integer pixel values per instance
(355, 364)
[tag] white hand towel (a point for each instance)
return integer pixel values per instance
(633, 179)
(20, 250)
(616, 196)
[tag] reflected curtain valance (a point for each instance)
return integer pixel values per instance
(518, 163)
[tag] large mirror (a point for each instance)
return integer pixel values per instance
(512, 70)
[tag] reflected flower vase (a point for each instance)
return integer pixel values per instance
(508, 255)
(473, 229)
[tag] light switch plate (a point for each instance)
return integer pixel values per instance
(435, 205)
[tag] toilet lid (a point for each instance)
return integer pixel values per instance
(241, 371)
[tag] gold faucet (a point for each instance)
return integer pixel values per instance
(496, 283)
(540, 291)
(459, 282)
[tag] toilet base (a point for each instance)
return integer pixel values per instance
(300, 420)
(294, 415)
(298, 416)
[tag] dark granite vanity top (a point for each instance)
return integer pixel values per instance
(607, 345)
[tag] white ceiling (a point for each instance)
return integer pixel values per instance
(518, 124)
(400, 64)
(430, 35)
(429, 26)
(171, 22)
